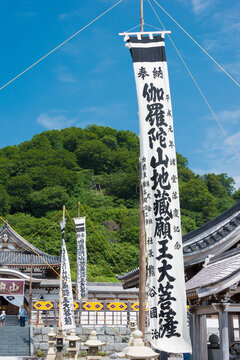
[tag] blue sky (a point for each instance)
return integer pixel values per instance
(90, 79)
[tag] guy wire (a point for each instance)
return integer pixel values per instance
(57, 47)
(199, 89)
(220, 67)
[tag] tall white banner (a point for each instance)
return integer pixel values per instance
(67, 309)
(82, 288)
(165, 270)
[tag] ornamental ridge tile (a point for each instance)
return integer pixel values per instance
(15, 257)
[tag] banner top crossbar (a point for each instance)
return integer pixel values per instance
(144, 33)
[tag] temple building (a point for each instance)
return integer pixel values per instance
(29, 276)
(24, 263)
(212, 273)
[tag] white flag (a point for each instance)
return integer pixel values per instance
(165, 270)
(67, 309)
(82, 289)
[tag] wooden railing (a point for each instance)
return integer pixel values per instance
(87, 313)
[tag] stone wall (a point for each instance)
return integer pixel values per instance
(115, 340)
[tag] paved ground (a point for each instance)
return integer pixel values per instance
(19, 358)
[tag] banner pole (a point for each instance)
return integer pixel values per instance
(30, 292)
(77, 297)
(60, 292)
(141, 16)
(142, 263)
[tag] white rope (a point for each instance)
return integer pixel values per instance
(198, 44)
(198, 87)
(57, 47)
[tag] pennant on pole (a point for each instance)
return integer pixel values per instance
(82, 289)
(67, 309)
(165, 270)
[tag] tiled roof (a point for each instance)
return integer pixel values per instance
(213, 232)
(217, 270)
(23, 256)
(128, 275)
(233, 211)
(19, 258)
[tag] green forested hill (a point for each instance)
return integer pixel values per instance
(97, 166)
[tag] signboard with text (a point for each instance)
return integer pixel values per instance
(11, 287)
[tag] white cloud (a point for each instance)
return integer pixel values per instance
(102, 66)
(73, 49)
(100, 115)
(217, 154)
(64, 75)
(25, 14)
(55, 120)
(230, 116)
(107, 112)
(63, 16)
(234, 69)
(199, 5)
(211, 44)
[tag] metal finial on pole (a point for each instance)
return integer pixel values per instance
(141, 16)
(79, 209)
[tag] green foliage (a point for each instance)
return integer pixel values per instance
(236, 195)
(47, 199)
(40, 354)
(98, 166)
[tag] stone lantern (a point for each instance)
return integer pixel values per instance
(138, 350)
(72, 349)
(59, 345)
(132, 325)
(93, 343)
(51, 342)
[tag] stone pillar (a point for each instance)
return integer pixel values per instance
(239, 326)
(192, 328)
(203, 337)
(199, 337)
(196, 340)
(224, 340)
(223, 329)
(230, 329)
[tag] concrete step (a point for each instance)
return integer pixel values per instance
(14, 340)
(11, 320)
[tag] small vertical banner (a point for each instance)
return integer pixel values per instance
(82, 289)
(165, 269)
(67, 309)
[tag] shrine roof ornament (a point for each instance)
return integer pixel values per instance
(16, 251)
